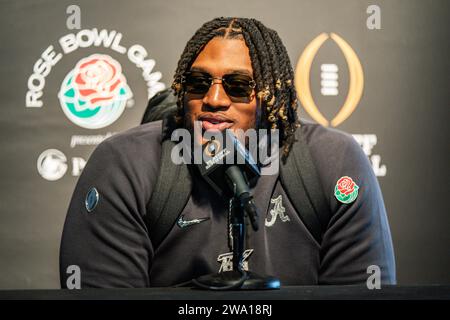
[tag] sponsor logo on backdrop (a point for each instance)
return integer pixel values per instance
(329, 86)
(52, 164)
(93, 95)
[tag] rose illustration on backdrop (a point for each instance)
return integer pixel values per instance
(94, 94)
(346, 190)
(98, 80)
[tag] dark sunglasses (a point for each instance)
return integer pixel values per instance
(236, 85)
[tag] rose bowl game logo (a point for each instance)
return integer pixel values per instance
(94, 94)
(346, 190)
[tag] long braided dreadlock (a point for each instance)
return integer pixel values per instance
(272, 72)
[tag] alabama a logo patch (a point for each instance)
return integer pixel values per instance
(346, 190)
(277, 210)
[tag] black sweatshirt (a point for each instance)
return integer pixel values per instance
(112, 247)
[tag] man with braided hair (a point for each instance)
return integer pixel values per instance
(234, 73)
(272, 71)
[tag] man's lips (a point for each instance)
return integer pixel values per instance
(213, 123)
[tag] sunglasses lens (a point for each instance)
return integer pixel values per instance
(237, 85)
(197, 82)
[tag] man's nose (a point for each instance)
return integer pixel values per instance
(216, 96)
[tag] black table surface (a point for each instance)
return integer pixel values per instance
(429, 292)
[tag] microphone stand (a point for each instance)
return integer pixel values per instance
(238, 278)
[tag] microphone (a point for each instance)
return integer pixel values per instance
(230, 170)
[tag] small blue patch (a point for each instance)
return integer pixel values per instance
(91, 199)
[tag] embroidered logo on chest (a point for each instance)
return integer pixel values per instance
(276, 211)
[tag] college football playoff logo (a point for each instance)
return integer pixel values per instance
(302, 80)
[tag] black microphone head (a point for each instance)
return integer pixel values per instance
(222, 151)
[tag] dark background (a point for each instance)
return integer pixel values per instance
(405, 103)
